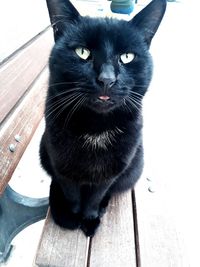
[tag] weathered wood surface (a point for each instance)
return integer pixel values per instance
(61, 248)
(168, 221)
(29, 179)
(18, 74)
(160, 241)
(23, 122)
(20, 21)
(114, 243)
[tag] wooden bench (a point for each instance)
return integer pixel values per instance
(113, 245)
(138, 228)
(23, 84)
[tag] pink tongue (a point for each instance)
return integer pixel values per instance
(104, 97)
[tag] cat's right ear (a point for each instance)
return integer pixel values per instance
(61, 12)
(149, 19)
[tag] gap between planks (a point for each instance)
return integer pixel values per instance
(113, 245)
(135, 223)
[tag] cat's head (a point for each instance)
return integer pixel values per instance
(100, 63)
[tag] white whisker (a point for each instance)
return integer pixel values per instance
(74, 109)
(62, 105)
(136, 93)
(133, 104)
(70, 91)
(135, 101)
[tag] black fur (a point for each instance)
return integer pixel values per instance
(92, 147)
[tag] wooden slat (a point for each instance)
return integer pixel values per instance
(160, 241)
(18, 74)
(29, 17)
(23, 122)
(114, 243)
(61, 248)
(32, 181)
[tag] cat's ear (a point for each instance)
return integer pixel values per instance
(61, 12)
(148, 20)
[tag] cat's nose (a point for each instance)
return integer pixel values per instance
(107, 76)
(107, 83)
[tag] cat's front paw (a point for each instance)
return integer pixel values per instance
(65, 213)
(66, 219)
(89, 226)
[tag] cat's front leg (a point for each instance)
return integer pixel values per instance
(94, 198)
(65, 206)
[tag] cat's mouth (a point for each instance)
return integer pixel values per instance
(104, 100)
(104, 97)
(103, 103)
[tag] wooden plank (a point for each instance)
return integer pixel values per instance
(171, 115)
(18, 74)
(32, 181)
(26, 19)
(61, 248)
(23, 122)
(165, 219)
(160, 240)
(114, 243)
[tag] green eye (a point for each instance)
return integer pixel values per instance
(127, 57)
(83, 53)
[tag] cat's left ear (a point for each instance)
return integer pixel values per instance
(148, 20)
(61, 12)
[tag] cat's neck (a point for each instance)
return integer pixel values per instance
(87, 122)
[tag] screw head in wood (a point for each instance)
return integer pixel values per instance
(12, 148)
(151, 189)
(17, 137)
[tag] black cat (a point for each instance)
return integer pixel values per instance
(100, 69)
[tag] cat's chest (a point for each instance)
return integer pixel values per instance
(96, 156)
(102, 140)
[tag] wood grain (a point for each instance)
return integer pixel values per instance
(112, 246)
(160, 241)
(61, 248)
(31, 181)
(114, 243)
(26, 19)
(18, 74)
(23, 122)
